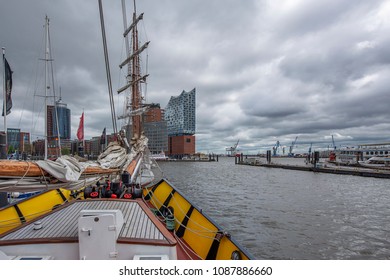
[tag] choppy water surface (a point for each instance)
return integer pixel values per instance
(287, 214)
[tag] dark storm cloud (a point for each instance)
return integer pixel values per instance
(263, 70)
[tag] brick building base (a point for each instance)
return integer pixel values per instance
(180, 146)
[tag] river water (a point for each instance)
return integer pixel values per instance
(287, 214)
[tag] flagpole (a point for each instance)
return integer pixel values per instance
(3, 150)
(83, 135)
(5, 103)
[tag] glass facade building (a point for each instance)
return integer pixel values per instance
(157, 135)
(18, 140)
(13, 138)
(64, 117)
(180, 114)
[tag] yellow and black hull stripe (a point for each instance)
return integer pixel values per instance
(25, 210)
(203, 235)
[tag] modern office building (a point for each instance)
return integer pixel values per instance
(180, 114)
(13, 138)
(181, 120)
(63, 133)
(155, 128)
(18, 140)
(64, 117)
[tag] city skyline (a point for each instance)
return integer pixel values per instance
(311, 69)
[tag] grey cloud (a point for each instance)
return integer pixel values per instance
(263, 71)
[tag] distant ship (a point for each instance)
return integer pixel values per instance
(159, 157)
(363, 152)
(376, 162)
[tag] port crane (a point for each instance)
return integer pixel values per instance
(334, 145)
(232, 150)
(275, 148)
(291, 154)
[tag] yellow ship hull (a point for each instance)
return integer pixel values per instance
(203, 235)
(28, 209)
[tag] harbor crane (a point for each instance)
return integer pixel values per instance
(291, 154)
(232, 150)
(275, 148)
(334, 145)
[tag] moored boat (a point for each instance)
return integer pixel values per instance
(376, 162)
(159, 157)
(363, 152)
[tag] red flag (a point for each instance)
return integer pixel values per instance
(80, 131)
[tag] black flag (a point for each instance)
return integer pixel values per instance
(8, 86)
(103, 137)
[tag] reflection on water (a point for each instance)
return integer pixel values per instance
(287, 214)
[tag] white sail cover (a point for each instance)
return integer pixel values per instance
(68, 169)
(65, 168)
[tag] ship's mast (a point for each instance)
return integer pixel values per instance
(136, 96)
(134, 78)
(47, 57)
(127, 45)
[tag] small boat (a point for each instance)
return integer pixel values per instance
(201, 157)
(159, 157)
(119, 212)
(376, 162)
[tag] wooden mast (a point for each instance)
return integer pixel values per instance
(134, 106)
(136, 95)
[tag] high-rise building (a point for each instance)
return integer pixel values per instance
(155, 128)
(63, 133)
(180, 117)
(180, 114)
(64, 117)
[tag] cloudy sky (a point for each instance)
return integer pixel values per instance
(264, 71)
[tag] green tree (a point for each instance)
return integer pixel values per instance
(65, 151)
(11, 149)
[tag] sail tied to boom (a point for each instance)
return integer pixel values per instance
(134, 55)
(134, 24)
(138, 80)
(137, 112)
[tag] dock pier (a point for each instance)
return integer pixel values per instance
(316, 166)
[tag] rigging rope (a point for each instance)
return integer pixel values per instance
(157, 202)
(182, 244)
(107, 63)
